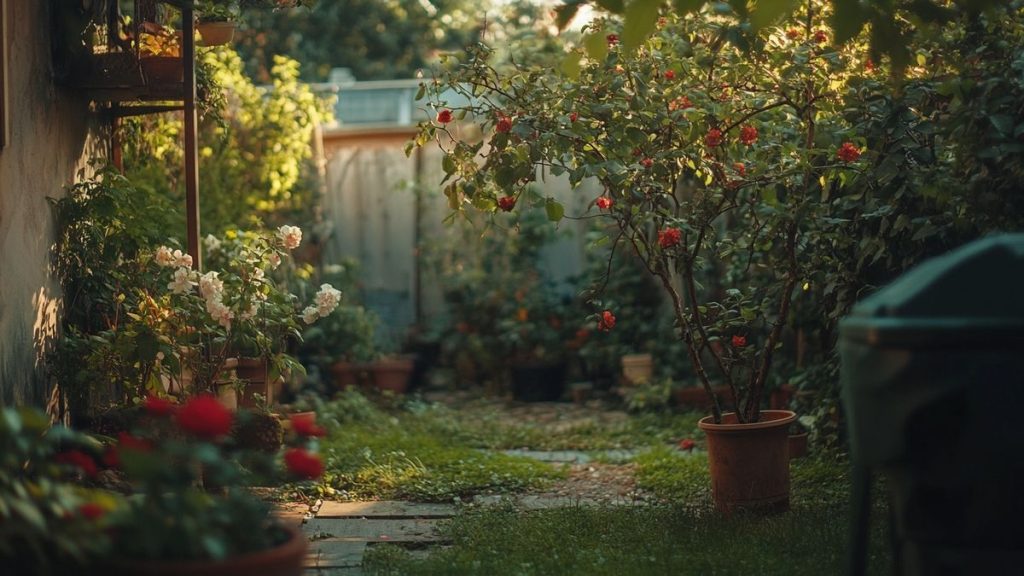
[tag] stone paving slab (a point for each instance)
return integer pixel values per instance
(291, 514)
(334, 554)
(372, 530)
(384, 509)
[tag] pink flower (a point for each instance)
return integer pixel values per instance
(604, 202)
(687, 444)
(205, 417)
(713, 138)
(291, 236)
(507, 203)
(606, 322)
(848, 152)
(303, 464)
(444, 116)
(739, 341)
(305, 425)
(669, 237)
(748, 134)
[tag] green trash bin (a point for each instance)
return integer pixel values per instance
(933, 388)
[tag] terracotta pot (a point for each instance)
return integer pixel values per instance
(162, 70)
(749, 462)
(346, 375)
(216, 33)
(392, 374)
(797, 445)
(637, 368)
(253, 373)
(284, 560)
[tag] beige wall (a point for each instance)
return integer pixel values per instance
(50, 139)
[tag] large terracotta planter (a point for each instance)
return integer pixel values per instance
(283, 560)
(392, 374)
(749, 462)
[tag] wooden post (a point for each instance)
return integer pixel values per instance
(188, 54)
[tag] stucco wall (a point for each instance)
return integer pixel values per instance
(51, 136)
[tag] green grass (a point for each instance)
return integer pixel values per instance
(640, 540)
(409, 454)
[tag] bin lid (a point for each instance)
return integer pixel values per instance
(974, 294)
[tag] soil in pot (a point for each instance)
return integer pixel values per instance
(749, 462)
(538, 382)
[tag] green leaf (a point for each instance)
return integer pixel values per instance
(596, 46)
(767, 12)
(641, 19)
(554, 209)
(421, 91)
(571, 65)
(448, 164)
(847, 20)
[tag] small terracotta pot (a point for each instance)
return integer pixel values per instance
(346, 375)
(392, 374)
(749, 462)
(637, 368)
(283, 560)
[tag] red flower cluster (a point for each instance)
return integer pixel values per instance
(792, 33)
(669, 237)
(606, 322)
(80, 460)
(647, 163)
(303, 464)
(507, 203)
(444, 116)
(574, 116)
(713, 138)
(739, 341)
(613, 39)
(305, 425)
(91, 511)
(687, 444)
(748, 134)
(504, 124)
(670, 75)
(604, 202)
(820, 37)
(848, 152)
(680, 103)
(158, 406)
(740, 168)
(205, 417)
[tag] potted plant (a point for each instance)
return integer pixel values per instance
(713, 163)
(344, 341)
(215, 21)
(160, 55)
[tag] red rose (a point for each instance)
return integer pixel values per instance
(158, 406)
(303, 464)
(740, 168)
(613, 39)
(848, 152)
(792, 33)
(669, 237)
(647, 163)
(687, 444)
(504, 124)
(79, 460)
(444, 116)
(739, 341)
(748, 134)
(606, 322)
(507, 203)
(713, 138)
(305, 425)
(205, 417)
(670, 75)
(820, 37)
(91, 511)
(604, 202)
(573, 116)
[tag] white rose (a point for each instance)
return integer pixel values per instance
(182, 282)
(211, 242)
(182, 259)
(275, 260)
(164, 257)
(210, 286)
(290, 235)
(310, 314)
(327, 299)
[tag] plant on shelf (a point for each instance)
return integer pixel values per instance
(191, 510)
(215, 21)
(157, 41)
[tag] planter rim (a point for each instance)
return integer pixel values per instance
(769, 419)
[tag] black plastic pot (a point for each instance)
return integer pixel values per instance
(538, 381)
